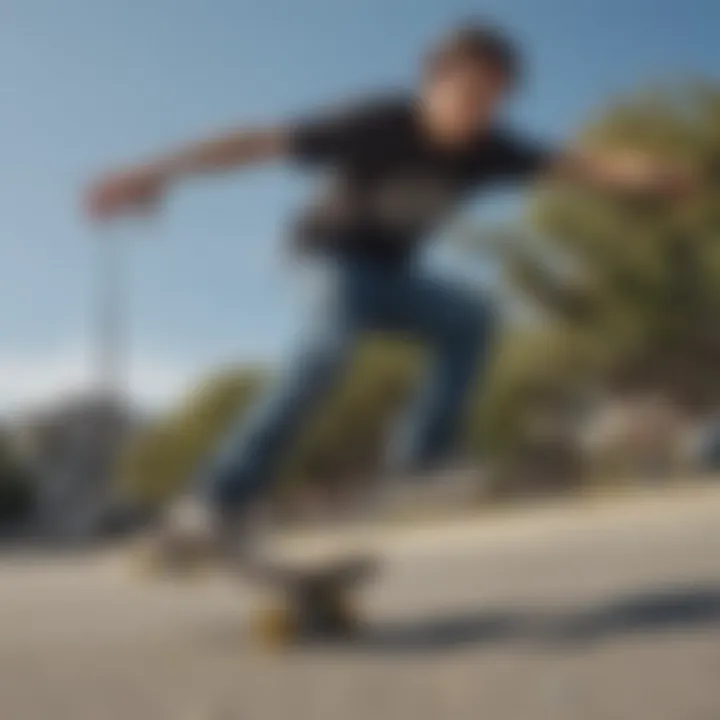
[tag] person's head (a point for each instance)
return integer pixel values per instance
(467, 76)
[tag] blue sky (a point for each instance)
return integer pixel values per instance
(90, 83)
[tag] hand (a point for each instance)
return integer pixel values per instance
(138, 190)
(676, 183)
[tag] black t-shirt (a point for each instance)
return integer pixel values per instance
(390, 185)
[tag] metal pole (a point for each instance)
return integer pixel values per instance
(110, 318)
(111, 349)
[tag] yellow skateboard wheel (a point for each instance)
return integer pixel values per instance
(276, 627)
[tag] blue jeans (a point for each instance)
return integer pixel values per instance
(365, 296)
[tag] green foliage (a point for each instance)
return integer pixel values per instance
(629, 289)
(536, 371)
(636, 280)
(167, 454)
(348, 432)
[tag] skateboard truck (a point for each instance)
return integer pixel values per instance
(313, 603)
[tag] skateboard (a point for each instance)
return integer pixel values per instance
(307, 601)
(300, 596)
(305, 590)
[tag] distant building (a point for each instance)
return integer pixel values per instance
(72, 449)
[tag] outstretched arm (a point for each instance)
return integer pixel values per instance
(141, 187)
(625, 171)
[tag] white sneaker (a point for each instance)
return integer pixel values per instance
(191, 534)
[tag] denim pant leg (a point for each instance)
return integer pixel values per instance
(458, 326)
(250, 457)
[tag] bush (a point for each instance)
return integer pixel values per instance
(16, 497)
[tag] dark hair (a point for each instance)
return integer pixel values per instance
(477, 42)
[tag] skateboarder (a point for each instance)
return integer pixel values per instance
(397, 166)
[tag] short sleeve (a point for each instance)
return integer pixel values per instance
(338, 135)
(520, 159)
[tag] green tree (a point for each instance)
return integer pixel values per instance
(347, 434)
(635, 281)
(165, 455)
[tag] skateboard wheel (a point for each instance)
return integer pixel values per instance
(276, 627)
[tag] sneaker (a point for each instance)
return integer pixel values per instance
(191, 535)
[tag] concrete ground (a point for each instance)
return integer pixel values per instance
(592, 611)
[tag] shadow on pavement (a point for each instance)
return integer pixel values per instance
(650, 612)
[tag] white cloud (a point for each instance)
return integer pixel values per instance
(30, 380)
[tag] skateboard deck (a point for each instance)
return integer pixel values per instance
(306, 587)
(303, 600)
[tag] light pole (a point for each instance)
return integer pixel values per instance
(110, 337)
(107, 415)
